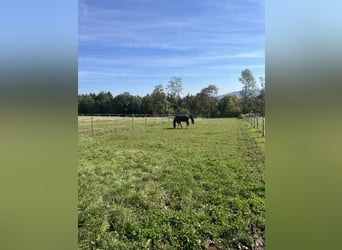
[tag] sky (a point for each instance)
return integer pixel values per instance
(134, 45)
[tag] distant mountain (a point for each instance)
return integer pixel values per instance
(236, 93)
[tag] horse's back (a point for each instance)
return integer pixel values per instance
(181, 117)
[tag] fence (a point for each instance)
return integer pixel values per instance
(95, 123)
(256, 121)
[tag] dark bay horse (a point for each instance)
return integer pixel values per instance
(182, 118)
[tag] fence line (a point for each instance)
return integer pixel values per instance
(253, 120)
(88, 123)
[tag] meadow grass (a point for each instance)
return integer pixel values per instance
(145, 185)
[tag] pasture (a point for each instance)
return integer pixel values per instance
(145, 185)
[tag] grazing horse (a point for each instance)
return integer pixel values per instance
(182, 118)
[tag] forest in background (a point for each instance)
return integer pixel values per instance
(163, 101)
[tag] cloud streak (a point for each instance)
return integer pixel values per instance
(124, 38)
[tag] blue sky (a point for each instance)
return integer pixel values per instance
(134, 45)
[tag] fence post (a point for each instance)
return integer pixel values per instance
(263, 126)
(92, 127)
(257, 122)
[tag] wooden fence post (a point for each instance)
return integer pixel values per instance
(257, 122)
(263, 126)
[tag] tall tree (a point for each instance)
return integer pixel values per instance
(104, 101)
(174, 91)
(122, 103)
(248, 91)
(262, 83)
(135, 105)
(191, 103)
(207, 101)
(86, 104)
(261, 97)
(147, 104)
(229, 106)
(160, 103)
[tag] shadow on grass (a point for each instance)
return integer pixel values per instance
(177, 129)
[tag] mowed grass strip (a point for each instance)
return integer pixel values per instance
(149, 186)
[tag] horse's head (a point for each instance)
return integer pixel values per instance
(192, 119)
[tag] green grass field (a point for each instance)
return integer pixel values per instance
(145, 185)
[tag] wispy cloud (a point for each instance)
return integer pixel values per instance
(162, 61)
(149, 38)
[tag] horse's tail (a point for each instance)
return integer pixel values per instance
(174, 122)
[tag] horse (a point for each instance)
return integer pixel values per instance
(182, 118)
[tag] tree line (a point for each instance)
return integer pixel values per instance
(169, 101)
